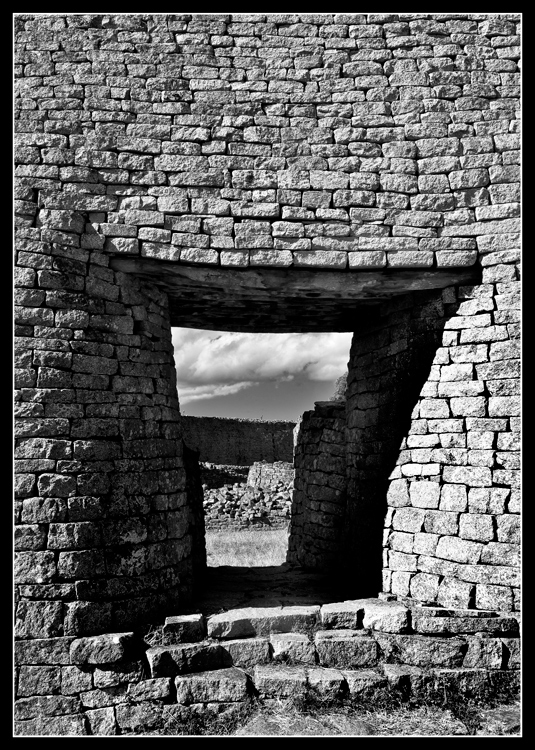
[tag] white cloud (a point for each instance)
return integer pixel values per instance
(214, 363)
(189, 393)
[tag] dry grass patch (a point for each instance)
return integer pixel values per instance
(255, 548)
(419, 722)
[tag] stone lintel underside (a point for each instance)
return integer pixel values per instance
(281, 300)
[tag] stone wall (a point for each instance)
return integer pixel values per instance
(390, 361)
(239, 442)
(217, 475)
(345, 141)
(270, 475)
(268, 172)
(319, 494)
(332, 159)
(453, 525)
(263, 500)
(102, 523)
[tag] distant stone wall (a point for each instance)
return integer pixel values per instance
(268, 476)
(235, 499)
(239, 441)
(218, 475)
(237, 506)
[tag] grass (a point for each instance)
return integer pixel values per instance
(262, 548)
(314, 715)
(387, 715)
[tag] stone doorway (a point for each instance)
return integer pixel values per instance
(396, 318)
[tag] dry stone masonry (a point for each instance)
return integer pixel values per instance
(263, 172)
(264, 499)
(239, 442)
(354, 650)
(319, 496)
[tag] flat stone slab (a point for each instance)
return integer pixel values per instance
(168, 661)
(184, 629)
(219, 685)
(373, 614)
(261, 621)
(342, 615)
(422, 623)
(436, 611)
(385, 617)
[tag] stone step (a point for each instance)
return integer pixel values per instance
(339, 649)
(279, 682)
(261, 621)
(373, 615)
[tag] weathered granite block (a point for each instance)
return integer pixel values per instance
(138, 718)
(101, 649)
(168, 661)
(294, 648)
(247, 652)
(387, 617)
(364, 682)
(149, 690)
(184, 629)
(343, 615)
(261, 621)
(218, 685)
(422, 651)
(280, 682)
(43, 651)
(102, 721)
(345, 649)
(329, 683)
(46, 705)
(59, 726)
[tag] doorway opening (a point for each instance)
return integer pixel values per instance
(242, 397)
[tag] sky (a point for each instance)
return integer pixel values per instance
(256, 375)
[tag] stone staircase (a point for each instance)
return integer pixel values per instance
(216, 666)
(353, 649)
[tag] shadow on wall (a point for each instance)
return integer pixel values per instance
(391, 356)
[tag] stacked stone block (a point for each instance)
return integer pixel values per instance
(101, 516)
(319, 494)
(240, 506)
(270, 475)
(452, 532)
(341, 141)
